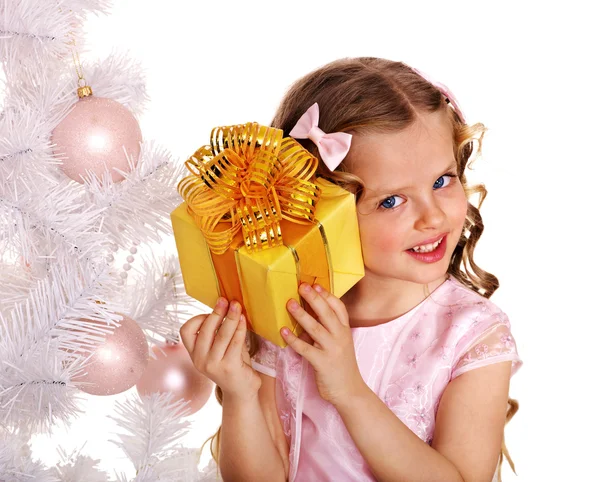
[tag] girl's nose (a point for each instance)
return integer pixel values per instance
(430, 215)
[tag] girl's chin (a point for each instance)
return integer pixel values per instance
(433, 280)
(424, 277)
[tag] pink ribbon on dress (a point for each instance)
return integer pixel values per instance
(333, 147)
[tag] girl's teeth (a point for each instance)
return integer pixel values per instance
(427, 248)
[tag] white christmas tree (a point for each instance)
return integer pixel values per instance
(67, 249)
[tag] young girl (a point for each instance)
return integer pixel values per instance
(406, 377)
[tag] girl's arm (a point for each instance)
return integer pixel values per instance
(253, 445)
(218, 349)
(470, 417)
(468, 434)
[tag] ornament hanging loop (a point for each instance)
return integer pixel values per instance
(83, 90)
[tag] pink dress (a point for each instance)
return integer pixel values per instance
(407, 362)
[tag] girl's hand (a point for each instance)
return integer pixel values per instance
(332, 354)
(216, 343)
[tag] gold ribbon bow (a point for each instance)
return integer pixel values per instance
(249, 178)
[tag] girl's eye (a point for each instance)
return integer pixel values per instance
(443, 181)
(391, 202)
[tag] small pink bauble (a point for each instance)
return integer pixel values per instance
(118, 363)
(94, 136)
(174, 372)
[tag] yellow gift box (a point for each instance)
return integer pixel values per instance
(256, 223)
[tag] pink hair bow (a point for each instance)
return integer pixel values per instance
(446, 91)
(333, 147)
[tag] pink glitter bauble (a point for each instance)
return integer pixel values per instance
(118, 363)
(94, 136)
(174, 372)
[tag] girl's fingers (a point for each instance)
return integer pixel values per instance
(335, 304)
(206, 333)
(301, 347)
(311, 326)
(189, 330)
(234, 350)
(225, 332)
(306, 337)
(325, 314)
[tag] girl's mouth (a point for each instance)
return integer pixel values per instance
(431, 252)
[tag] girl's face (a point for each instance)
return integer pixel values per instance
(413, 209)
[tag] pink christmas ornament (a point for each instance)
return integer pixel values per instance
(174, 372)
(117, 364)
(94, 136)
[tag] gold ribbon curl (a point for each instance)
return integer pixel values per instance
(249, 178)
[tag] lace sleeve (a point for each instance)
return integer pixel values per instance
(495, 345)
(265, 359)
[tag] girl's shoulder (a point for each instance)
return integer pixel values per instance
(466, 308)
(481, 331)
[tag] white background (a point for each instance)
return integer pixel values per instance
(528, 70)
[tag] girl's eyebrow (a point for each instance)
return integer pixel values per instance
(381, 192)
